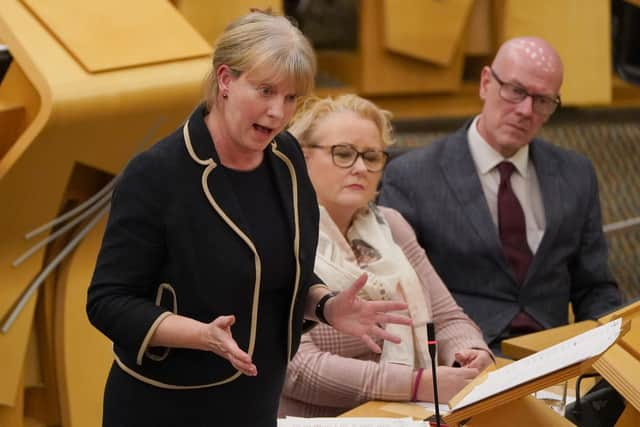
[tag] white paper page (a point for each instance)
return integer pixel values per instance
(349, 422)
(566, 353)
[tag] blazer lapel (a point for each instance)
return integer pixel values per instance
(284, 182)
(550, 182)
(222, 192)
(202, 151)
(460, 174)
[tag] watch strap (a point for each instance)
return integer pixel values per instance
(320, 306)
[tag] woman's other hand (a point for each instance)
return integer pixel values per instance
(450, 382)
(352, 315)
(473, 358)
(218, 339)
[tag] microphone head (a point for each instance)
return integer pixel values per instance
(431, 331)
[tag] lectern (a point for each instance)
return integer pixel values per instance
(620, 365)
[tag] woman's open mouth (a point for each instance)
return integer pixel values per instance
(262, 129)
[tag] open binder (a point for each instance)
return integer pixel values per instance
(555, 364)
(618, 361)
(620, 365)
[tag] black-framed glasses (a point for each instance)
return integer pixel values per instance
(345, 156)
(510, 92)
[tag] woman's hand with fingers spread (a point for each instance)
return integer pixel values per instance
(352, 315)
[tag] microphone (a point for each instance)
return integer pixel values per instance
(431, 341)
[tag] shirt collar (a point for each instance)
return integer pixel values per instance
(486, 158)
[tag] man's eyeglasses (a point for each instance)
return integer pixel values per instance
(543, 105)
(345, 156)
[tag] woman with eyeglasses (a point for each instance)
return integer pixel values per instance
(344, 141)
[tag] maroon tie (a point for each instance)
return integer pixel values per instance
(513, 232)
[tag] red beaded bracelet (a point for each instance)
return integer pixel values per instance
(416, 385)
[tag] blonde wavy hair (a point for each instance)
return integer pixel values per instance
(313, 109)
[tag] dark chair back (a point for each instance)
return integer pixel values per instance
(626, 40)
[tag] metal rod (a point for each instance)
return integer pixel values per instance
(35, 285)
(621, 225)
(72, 212)
(61, 231)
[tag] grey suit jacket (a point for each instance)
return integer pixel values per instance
(438, 191)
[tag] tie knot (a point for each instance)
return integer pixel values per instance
(505, 169)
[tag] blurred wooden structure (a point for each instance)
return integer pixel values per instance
(527, 410)
(411, 53)
(210, 18)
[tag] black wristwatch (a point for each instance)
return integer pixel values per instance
(320, 306)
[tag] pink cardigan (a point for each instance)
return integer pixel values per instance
(332, 372)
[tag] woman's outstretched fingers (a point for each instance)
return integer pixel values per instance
(371, 344)
(384, 318)
(358, 317)
(356, 286)
(248, 369)
(378, 332)
(236, 352)
(221, 342)
(384, 307)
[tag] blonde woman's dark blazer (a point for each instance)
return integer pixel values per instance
(176, 241)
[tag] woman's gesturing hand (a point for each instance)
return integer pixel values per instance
(220, 341)
(352, 315)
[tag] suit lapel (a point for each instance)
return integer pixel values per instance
(222, 191)
(551, 183)
(221, 187)
(460, 174)
(283, 184)
(202, 150)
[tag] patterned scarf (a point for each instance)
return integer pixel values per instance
(370, 249)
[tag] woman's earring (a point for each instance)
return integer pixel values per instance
(225, 95)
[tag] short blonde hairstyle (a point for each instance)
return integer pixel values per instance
(314, 109)
(267, 43)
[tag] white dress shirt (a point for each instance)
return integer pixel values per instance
(524, 182)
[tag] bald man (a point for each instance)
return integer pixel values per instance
(510, 222)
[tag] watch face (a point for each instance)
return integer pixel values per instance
(364, 252)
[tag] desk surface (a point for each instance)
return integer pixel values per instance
(382, 409)
(528, 411)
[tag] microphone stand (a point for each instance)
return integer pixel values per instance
(431, 341)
